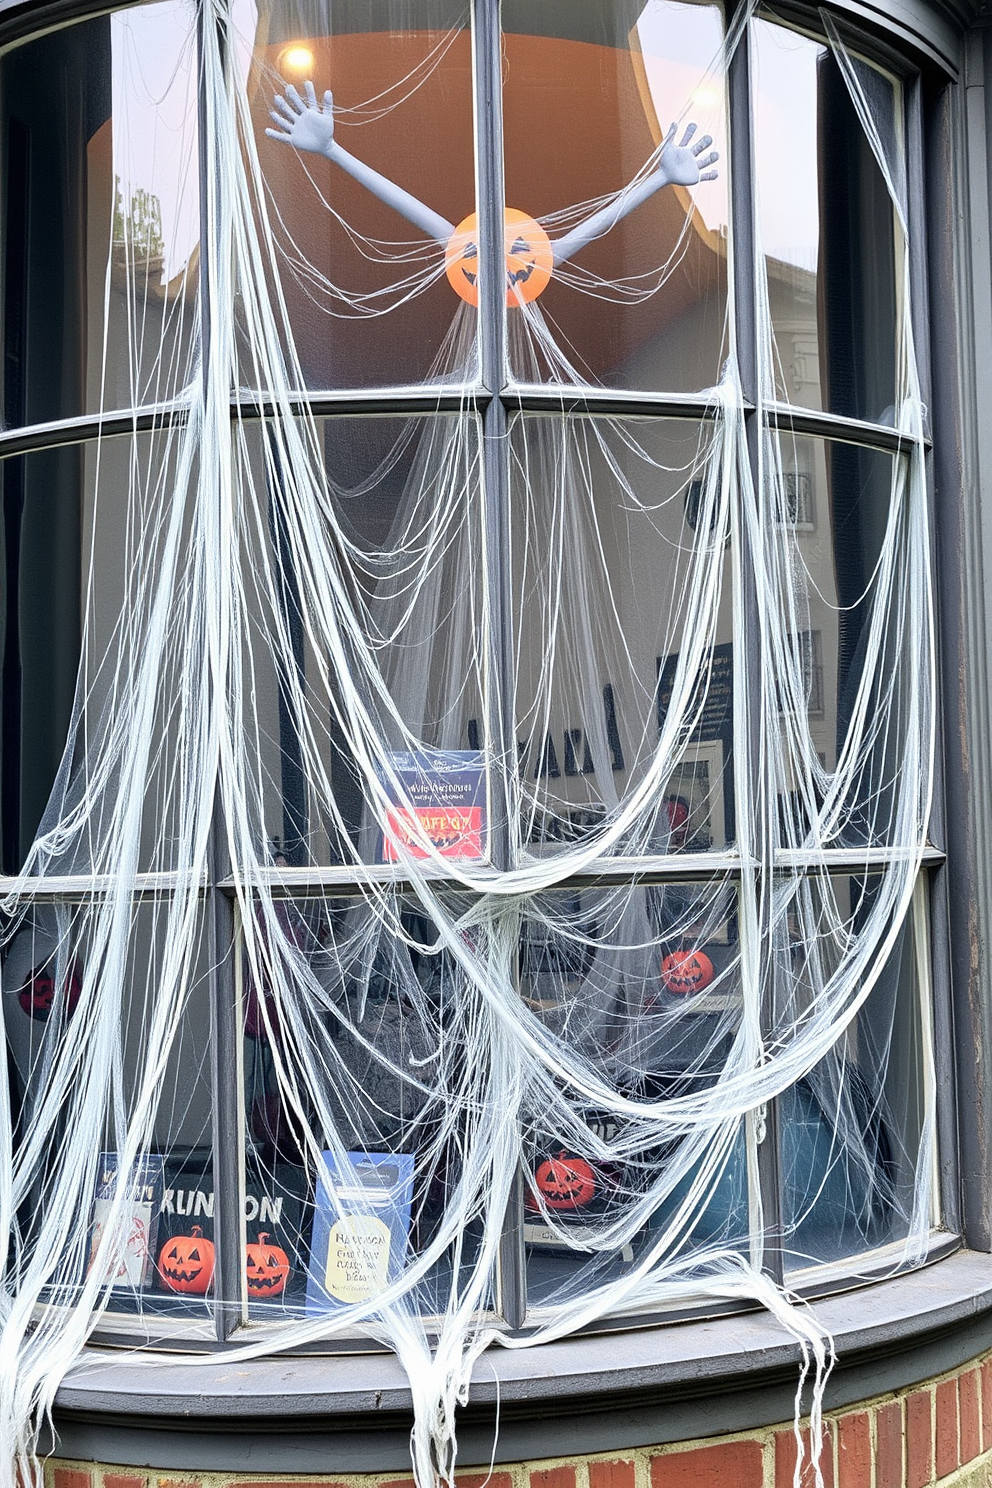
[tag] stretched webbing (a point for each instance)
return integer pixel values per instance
(414, 1021)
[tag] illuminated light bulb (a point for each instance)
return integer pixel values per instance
(705, 97)
(297, 59)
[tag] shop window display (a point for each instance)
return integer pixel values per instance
(483, 890)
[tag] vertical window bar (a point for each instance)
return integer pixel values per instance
(486, 54)
(762, 1126)
(230, 1303)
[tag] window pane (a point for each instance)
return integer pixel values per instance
(851, 1132)
(637, 297)
(363, 195)
(400, 530)
(155, 1263)
(614, 540)
(100, 213)
(367, 1017)
(87, 530)
(828, 228)
(643, 983)
(837, 501)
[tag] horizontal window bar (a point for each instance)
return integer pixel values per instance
(548, 398)
(91, 426)
(285, 882)
(431, 398)
(80, 887)
(831, 426)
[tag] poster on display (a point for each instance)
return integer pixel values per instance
(446, 789)
(132, 1263)
(361, 1225)
(273, 1213)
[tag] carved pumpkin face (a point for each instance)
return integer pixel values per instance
(529, 258)
(565, 1182)
(267, 1268)
(186, 1262)
(37, 996)
(686, 971)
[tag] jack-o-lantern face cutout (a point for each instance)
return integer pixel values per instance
(529, 258)
(37, 996)
(186, 1262)
(267, 1268)
(565, 1182)
(686, 971)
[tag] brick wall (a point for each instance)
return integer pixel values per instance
(937, 1432)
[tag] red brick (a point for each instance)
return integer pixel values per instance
(987, 1405)
(919, 1439)
(463, 1480)
(72, 1477)
(947, 1428)
(971, 1431)
(785, 1459)
(888, 1445)
(854, 1450)
(737, 1464)
(553, 1477)
(611, 1475)
(123, 1480)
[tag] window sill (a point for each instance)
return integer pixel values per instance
(351, 1413)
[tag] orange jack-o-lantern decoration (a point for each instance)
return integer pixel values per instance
(565, 1182)
(267, 1268)
(529, 258)
(186, 1262)
(686, 971)
(37, 996)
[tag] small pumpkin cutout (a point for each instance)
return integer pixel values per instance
(267, 1268)
(529, 258)
(565, 1182)
(684, 972)
(186, 1262)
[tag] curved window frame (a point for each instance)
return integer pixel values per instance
(496, 399)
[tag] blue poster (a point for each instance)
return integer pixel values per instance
(360, 1234)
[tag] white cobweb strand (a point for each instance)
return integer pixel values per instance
(494, 1070)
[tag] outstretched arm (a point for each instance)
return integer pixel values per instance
(306, 125)
(678, 165)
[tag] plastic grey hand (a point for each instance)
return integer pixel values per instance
(304, 124)
(307, 125)
(685, 164)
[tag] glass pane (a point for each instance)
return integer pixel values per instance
(616, 531)
(401, 525)
(366, 1017)
(644, 984)
(154, 1262)
(100, 213)
(837, 500)
(86, 532)
(637, 227)
(364, 191)
(851, 1131)
(828, 229)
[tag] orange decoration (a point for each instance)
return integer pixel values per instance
(565, 1182)
(267, 1268)
(186, 1262)
(529, 258)
(687, 971)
